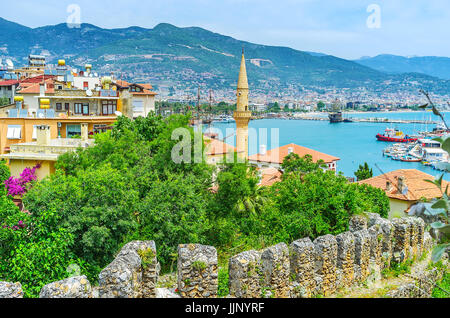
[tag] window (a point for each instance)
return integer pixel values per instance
(14, 132)
(66, 106)
(73, 130)
(85, 109)
(138, 106)
(58, 106)
(109, 107)
(77, 108)
(34, 132)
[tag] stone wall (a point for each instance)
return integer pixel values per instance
(326, 249)
(345, 259)
(197, 271)
(128, 276)
(73, 287)
(275, 268)
(302, 266)
(304, 269)
(245, 275)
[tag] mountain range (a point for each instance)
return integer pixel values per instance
(430, 65)
(187, 57)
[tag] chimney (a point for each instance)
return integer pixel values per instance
(388, 186)
(290, 150)
(263, 150)
(84, 132)
(401, 185)
(43, 135)
(42, 89)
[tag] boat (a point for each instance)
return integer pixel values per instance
(336, 117)
(394, 135)
(410, 159)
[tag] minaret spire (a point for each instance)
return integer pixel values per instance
(242, 115)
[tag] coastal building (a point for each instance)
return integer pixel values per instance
(275, 157)
(8, 89)
(36, 67)
(242, 115)
(44, 151)
(142, 97)
(405, 187)
(215, 150)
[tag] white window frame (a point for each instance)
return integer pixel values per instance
(34, 136)
(14, 132)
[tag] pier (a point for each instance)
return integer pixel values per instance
(372, 120)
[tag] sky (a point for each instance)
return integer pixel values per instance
(345, 28)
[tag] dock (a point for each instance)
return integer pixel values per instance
(373, 120)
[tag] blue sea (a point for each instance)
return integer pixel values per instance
(353, 143)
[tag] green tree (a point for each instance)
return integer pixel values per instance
(320, 203)
(293, 163)
(364, 172)
(320, 106)
(4, 172)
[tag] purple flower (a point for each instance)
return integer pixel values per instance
(19, 186)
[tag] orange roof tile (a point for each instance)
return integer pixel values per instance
(217, 147)
(122, 83)
(415, 181)
(270, 176)
(35, 88)
(277, 155)
(145, 92)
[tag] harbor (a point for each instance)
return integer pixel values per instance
(355, 142)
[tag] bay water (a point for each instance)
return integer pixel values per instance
(353, 143)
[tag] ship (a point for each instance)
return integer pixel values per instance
(336, 117)
(394, 135)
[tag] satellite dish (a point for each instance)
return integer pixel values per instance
(117, 113)
(89, 93)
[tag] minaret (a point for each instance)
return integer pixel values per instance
(242, 115)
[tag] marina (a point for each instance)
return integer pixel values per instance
(355, 143)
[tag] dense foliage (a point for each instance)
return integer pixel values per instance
(127, 187)
(364, 172)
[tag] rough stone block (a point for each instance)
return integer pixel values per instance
(413, 237)
(345, 259)
(326, 249)
(420, 225)
(362, 255)
(376, 244)
(428, 242)
(387, 231)
(125, 278)
(73, 287)
(197, 271)
(358, 223)
(302, 265)
(401, 240)
(10, 290)
(245, 275)
(275, 269)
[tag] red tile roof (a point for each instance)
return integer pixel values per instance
(277, 155)
(9, 82)
(35, 88)
(270, 176)
(415, 181)
(217, 147)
